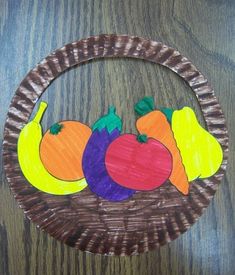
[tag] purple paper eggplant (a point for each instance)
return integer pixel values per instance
(104, 131)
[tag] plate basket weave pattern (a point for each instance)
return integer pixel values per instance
(83, 220)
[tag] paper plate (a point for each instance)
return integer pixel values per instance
(83, 220)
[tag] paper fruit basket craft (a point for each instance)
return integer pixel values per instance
(99, 189)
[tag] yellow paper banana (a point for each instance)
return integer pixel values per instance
(201, 153)
(31, 165)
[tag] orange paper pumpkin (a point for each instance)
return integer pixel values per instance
(62, 147)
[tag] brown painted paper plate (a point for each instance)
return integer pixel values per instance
(83, 220)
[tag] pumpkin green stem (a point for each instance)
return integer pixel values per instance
(142, 138)
(56, 128)
(145, 106)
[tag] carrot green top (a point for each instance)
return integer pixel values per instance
(144, 106)
(109, 121)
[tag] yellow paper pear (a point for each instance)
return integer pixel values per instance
(201, 153)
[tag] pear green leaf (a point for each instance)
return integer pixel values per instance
(168, 112)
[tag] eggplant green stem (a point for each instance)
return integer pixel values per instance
(110, 121)
(112, 110)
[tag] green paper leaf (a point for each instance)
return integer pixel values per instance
(168, 112)
(145, 106)
(110, 121)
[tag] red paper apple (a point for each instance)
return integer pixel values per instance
(138, 162)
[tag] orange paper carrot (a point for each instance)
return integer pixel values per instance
(154, 124)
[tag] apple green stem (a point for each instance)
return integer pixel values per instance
(142, 138)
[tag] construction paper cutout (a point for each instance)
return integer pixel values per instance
(154, 124)
(137, 163)
(93, 161)
(62, 147)
(31, 164)
(201, 153)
